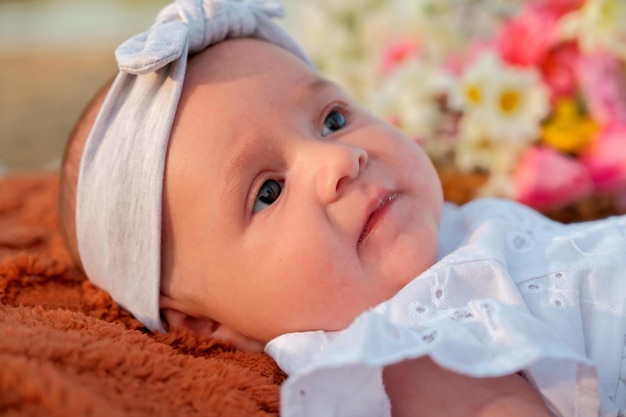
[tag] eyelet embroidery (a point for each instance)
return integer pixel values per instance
(460, 314)
(418, 310)
(533, 288)
(520, 243)
(491, 321)
(557, 298)
(438, 293)
(557, 301)
(430, 337)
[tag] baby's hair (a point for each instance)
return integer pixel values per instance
(70, 167)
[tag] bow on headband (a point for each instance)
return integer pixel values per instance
(120, 183)
(198, 24)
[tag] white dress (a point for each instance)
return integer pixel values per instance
(512, 291)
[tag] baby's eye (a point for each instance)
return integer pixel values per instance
(268, 194)
(333, 122)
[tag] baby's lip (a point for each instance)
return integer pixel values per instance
(376, 209)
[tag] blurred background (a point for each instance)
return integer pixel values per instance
(54, 54)
(528, 94)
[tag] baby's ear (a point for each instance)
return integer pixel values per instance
(175, 316)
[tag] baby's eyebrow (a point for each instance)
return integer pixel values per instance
(236, 168)
(313, 88)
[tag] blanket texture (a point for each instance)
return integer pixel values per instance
(66, 349)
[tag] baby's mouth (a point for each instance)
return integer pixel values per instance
(375, 216)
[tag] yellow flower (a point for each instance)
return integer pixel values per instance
(473, 95)
(568, 130)
(500, 102)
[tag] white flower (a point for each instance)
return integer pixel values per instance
(344, 39)
(479, 152)
(500, 102)
(497, 158)
(409, 96)
(599, 25)
(310, 24)
(447, 26)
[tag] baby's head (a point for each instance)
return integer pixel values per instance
(285, 205)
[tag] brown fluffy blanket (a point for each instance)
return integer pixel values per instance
(66, 349)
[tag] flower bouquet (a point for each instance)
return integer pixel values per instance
(531, 93)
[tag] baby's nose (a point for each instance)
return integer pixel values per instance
(337, 164)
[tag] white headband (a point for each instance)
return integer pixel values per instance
(120, 183)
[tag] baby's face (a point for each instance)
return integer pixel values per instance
(287, 206)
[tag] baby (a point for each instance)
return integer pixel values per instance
(222, 185)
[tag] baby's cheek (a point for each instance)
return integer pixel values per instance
(414, 255)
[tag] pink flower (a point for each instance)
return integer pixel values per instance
(603, 83)
(546, 179)
(558, 70)
(562, 7)
(397, 52)
(606, 160)
(532, 39)
(526, 39)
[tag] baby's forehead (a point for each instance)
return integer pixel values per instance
(230, 85)
(240, 59)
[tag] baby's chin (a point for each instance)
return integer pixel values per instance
(406, 280)
(412, 271)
